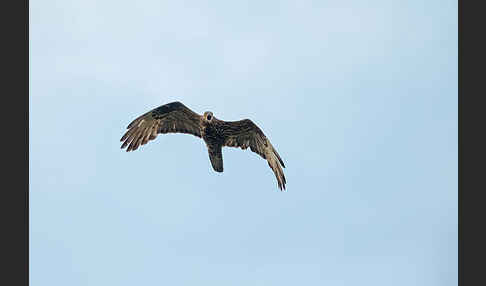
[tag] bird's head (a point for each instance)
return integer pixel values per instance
(208, 116)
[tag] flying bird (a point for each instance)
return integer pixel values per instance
(175, 117)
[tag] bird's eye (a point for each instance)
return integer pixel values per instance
(209, 117)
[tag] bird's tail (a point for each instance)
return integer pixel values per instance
(216, 157)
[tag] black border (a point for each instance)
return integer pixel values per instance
(460, 256)
(471, 142)
(14, 209)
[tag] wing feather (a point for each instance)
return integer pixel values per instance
(173, 117)
(243, 134)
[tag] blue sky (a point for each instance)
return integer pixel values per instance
(358, 97)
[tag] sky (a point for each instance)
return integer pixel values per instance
(358, 97)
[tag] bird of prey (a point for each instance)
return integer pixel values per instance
(175, 117)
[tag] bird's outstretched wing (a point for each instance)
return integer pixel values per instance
(244, 134)
(173, 117)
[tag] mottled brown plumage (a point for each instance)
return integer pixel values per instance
(175, 117)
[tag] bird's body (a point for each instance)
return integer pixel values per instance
(213, 135)
(177, 118)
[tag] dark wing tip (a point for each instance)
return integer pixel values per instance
(278, 157)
